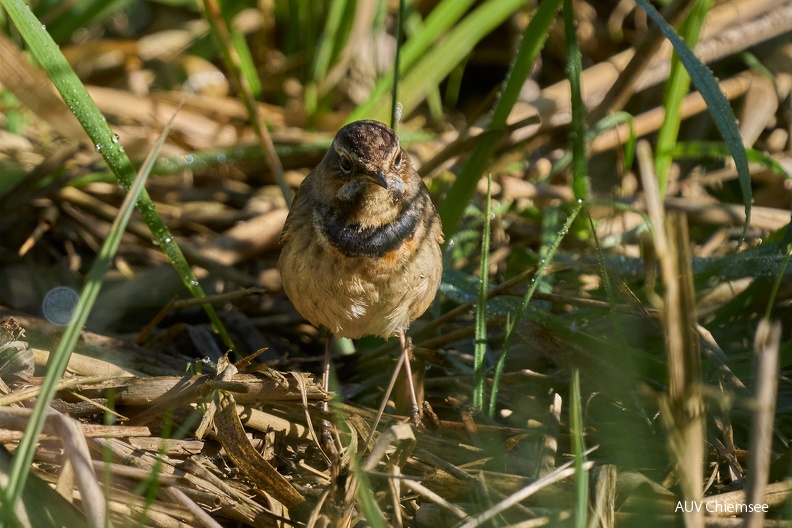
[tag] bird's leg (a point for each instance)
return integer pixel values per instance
(331, 442)
(415, 416)
(328, 360)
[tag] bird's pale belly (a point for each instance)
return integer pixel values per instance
(351, 298)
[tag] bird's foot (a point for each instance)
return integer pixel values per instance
(415, 419)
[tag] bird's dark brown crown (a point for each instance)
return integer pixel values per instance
(367, 140)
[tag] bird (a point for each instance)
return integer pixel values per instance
(361, 246)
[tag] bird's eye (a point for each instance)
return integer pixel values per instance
(345, 163)
(397, 161)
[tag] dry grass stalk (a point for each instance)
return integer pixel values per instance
(80, 475)
(650, 121)
(766, 344)
(682, 410)
(774, 495)
(758, 19)
(550, 443)
(134, 473)
(32, 87)
(231, 434)
(434, 498)
(225, 372)
(201, 517)
(249, 388)
(562, 472)
(623, 88)
(604, 495)
(767, 218)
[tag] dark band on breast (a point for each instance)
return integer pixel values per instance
(356, 241)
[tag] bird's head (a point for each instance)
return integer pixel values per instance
(366, 159)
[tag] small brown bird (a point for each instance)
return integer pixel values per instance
(361, 245)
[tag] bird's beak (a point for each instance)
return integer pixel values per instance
(379, 177)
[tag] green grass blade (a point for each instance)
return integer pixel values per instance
(606, 123)
(454, 84)
(675, 91)
(328, 42)
(438, 62)
(463, 189)
(777, 284)
(84, 14)
(60, 358)
(577, 132)
(580, 509)
(717, 104)
(611, 121)
(536, 280)
(496, 378)
(413, 25)
(718, 150)
(107, 144)
(480, 343)
(441, 60)
(221, 31)
(395, 92)
(246, 63)
(442, 17)
(606, 282)
(366, 500)
(15, 120)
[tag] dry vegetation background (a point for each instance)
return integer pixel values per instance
(655, 325)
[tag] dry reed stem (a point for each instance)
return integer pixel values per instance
(621, 90)
(249, 388)
(650, 121)
(682, 409)
(774, 496)
(550, 442)
(604, 495)
(34, 89)
(754, 22)
(200, 517)
(766, 345)
(214, 15)
(561, 473)
(231, 435)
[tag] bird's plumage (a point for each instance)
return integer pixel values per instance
(361, 245)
